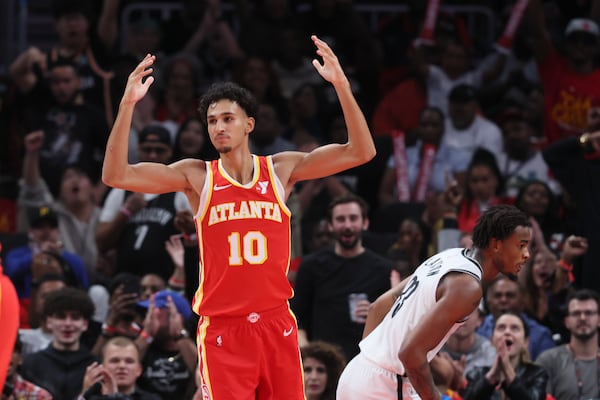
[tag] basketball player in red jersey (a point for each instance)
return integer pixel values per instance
(9, 322)
(247, 335)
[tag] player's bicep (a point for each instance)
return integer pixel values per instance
(460, 295)
(321, 162)
(156, 178)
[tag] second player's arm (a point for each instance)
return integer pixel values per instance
(458, 295)
(380, 307)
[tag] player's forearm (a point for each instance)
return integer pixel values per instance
(359, 135)
(115, 158)
(421, 379)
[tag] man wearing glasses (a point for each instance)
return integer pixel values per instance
(137, 225)
(574, 368)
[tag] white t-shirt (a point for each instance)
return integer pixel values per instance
(518, 173)
(481, 133)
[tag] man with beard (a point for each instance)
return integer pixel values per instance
(329, 281)
(573, 367)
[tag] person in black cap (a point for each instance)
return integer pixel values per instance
(44, 247)
(138, 225)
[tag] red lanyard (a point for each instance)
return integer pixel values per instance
(578, 372)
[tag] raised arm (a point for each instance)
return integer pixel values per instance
(535, 19)
(457, 296)
(145, 177)
(333, 158)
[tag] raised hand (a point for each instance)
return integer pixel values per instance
(139, 81)
(33, 141)
(330, 70)
(175, 319)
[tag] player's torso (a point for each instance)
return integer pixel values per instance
(244, 240)
(416, 301)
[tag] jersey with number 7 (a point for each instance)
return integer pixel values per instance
(244, 239)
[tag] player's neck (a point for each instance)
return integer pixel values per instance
(489, 271)
(239, 166)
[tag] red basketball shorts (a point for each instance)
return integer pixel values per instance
(250, 357)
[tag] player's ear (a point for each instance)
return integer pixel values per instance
(495, 244)
(249, 125)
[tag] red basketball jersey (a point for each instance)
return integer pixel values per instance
(244, 242)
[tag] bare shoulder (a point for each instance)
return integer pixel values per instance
(461, 290)
(190, 165)
(285, 162)
(194, 171)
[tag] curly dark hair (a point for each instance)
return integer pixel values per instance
(498, 222)
(334, 360)
(228, 91)
(68, 299)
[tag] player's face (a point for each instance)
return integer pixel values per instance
(347, 224)
(123, 363)
(228, 125)
(512, 252)
(315, 377)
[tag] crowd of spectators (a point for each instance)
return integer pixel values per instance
(105, 277)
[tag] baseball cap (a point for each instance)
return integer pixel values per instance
(155, 134)
(582, 25)
(40, 215)
(160, 301)
(462, 93)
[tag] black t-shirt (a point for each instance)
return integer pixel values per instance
(73, 134)
(141, 246)
(323, 284)
(165, 373)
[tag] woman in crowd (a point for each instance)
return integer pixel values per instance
(323, 363)
(512, 376)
